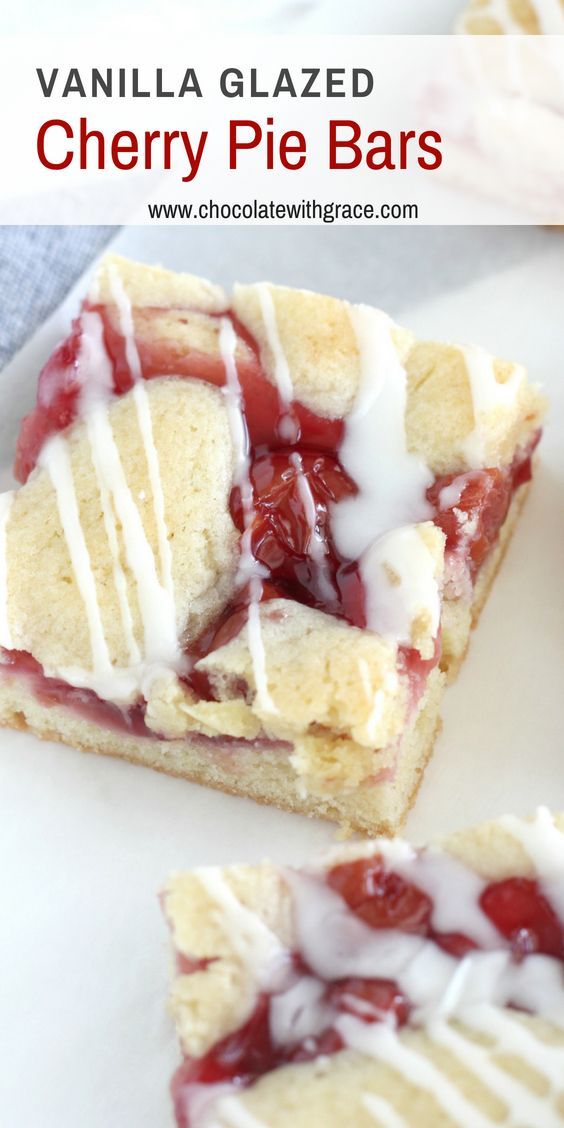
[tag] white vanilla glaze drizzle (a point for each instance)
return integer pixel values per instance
(95, 372)
(282, 377)
(512, 1036)
(478, 991)
(249, 570)
(392, 482)
(155, 597)
(141, 400)
(254, 943)
(55, 459)
(120, 579)
(377, 525)
(233, 1114)
(523, 1104)
(398, 572)
(543, 843)
(156, 604)
(215, 1106)
(382, 1111)
(6, 500)
(379, 1041)
(454, 890)
(450, 495)
(488, 394)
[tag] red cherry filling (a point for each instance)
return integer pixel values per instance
(330, 1042)
(57, 402)
(379, 897)
(384, 899)
(282, 527)
(188, 965)
(524, 916)
(290, 531)
(369, 999)
(242, 1056)
(480, 512)
(473, 520)
(159, 355)
(52, 691)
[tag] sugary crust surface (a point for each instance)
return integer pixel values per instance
(440, 412)
(154, 287)
(318, 341)
(201, 931)
(193, 446)
(174, 312)
(324, 364)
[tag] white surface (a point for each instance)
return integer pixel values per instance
(425, 17)
(86, 843)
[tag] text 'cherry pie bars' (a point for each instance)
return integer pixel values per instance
(387, 987)
(252, 538)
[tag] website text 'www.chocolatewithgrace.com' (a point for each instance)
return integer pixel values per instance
(265, 211)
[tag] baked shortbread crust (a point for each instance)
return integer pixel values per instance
(385, 985)
(252, 538)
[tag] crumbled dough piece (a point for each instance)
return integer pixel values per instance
(320, 672)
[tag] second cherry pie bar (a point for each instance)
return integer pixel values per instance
(253, 534)
(386, 987)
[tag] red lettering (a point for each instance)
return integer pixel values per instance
(235, 144)
(381, 155)
(41, 137)
(87, 135)
(287, 148)
(336, 142)
(405, 138)
(433, 150)
(124, 143)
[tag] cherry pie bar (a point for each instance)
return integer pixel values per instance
(252, 538)
(514, 17)
(387, 987)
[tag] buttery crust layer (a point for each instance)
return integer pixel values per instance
(264, 774)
